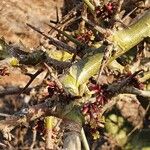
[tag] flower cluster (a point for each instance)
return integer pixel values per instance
(52, 88)
(92, 110)
(106, 11)
(85, 37)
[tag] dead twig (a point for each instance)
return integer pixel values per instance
(106, 56)
(25, 115)
(3, 145)
(120, 2)
(54, 76)
(67, 17)
(4, 115)
(125, 17)
(34, 138)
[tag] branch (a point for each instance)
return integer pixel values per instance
(123, 40)
(67, 17)
(13, 90)
(32, 77)
(70, 37)
(51, 107)
(96, 27)
(117, 87)
(57, 64)
(25, 115)
(133, 90)
(127, 38)
(54, 76)
(54, 41)
(72, 135)
(36, 57)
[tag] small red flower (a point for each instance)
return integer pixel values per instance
(85, 109)
(52, 88)
(85, 37)
(106, 11)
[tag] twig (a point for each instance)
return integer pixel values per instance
(67, 35)
(122, 23)
(37, 57)
(57, 64)
(33, 76)
(49, 133)
(116, 17)
(4, 115)
(67, 17)
(54, 76)
(96, 27)
(70, 21)
(120, 2)
(34, 138)
(125, 17)
(106, 56)
(54, 41)
(82, 23)
(136, 91)
(3, 145)
(50, 107)
(115, 88)
(13, 90)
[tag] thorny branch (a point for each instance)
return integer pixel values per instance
(67, 17)
(54, 41)
(36, 57)
(53, 106)
(33, 76)
(25, 115)
(54, 77)
(115, 88)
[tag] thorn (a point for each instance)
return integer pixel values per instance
(32, 76)
(57, 17)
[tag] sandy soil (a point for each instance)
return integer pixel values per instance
(14, 14)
